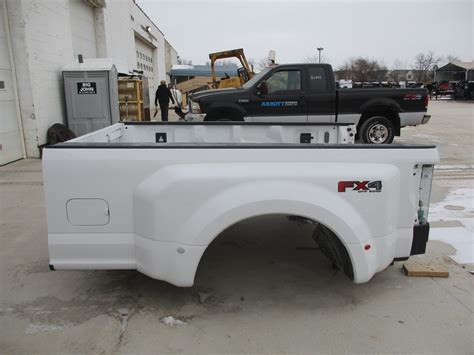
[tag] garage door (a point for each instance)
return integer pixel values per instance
(83, 28)
(10, 138)
(146, 62)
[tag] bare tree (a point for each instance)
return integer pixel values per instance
(225, 62)
(397, 73)
(363, 70)
(344, 72)
(184, 61)
(222, 62)
(399, 64)
(451, 58)
(315, 59)
(424, 65)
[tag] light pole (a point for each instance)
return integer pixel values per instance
(320, 49)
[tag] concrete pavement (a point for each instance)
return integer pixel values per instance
(262, 287)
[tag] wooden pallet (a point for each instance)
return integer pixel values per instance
(419, 270)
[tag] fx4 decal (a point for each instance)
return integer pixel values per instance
(412, 97)
(360, 186)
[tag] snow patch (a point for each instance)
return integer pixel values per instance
(425, 136)
(171, 321)
(458, 206)
(40, 328)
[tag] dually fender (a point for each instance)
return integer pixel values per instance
(213, 197)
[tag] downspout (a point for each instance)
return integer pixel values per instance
(15, 84)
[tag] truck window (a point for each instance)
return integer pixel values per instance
(317, 79)
(283, 81)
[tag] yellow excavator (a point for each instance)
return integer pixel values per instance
(245, 73)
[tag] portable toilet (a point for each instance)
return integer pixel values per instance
(91, 92)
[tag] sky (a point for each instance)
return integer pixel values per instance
(382, 30)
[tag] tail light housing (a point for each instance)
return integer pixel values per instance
(426, 101)
(425, 193)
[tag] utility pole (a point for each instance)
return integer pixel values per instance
(320, 49)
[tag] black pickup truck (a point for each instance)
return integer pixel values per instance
(307, 93)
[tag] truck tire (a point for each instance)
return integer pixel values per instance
(377, 130)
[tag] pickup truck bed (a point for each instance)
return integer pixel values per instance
(115, 203)
(221, 132)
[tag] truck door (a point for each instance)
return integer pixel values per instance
(280, 98)
(321, 95)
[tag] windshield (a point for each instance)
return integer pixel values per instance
(256, 78)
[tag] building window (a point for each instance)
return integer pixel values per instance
(2, 85)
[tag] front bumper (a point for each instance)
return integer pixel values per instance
(426, 119)
(420, 238)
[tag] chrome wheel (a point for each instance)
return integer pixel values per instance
(378, 134)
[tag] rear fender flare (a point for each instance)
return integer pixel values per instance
(350, 228)
(379, 106)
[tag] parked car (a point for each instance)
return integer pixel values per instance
(307, 93)
(153, 196)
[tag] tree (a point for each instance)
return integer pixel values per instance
(451, 58)
(424, 65)
(398, 64)
(398, 71)
(225, 62)
(184, 61)
(363, 70)
(315, 59)
(344, 72)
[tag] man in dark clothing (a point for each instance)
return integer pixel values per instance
(163, 96)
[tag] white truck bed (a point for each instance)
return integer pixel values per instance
(114, 202)
(221, 132)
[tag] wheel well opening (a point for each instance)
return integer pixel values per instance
(288, 245)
